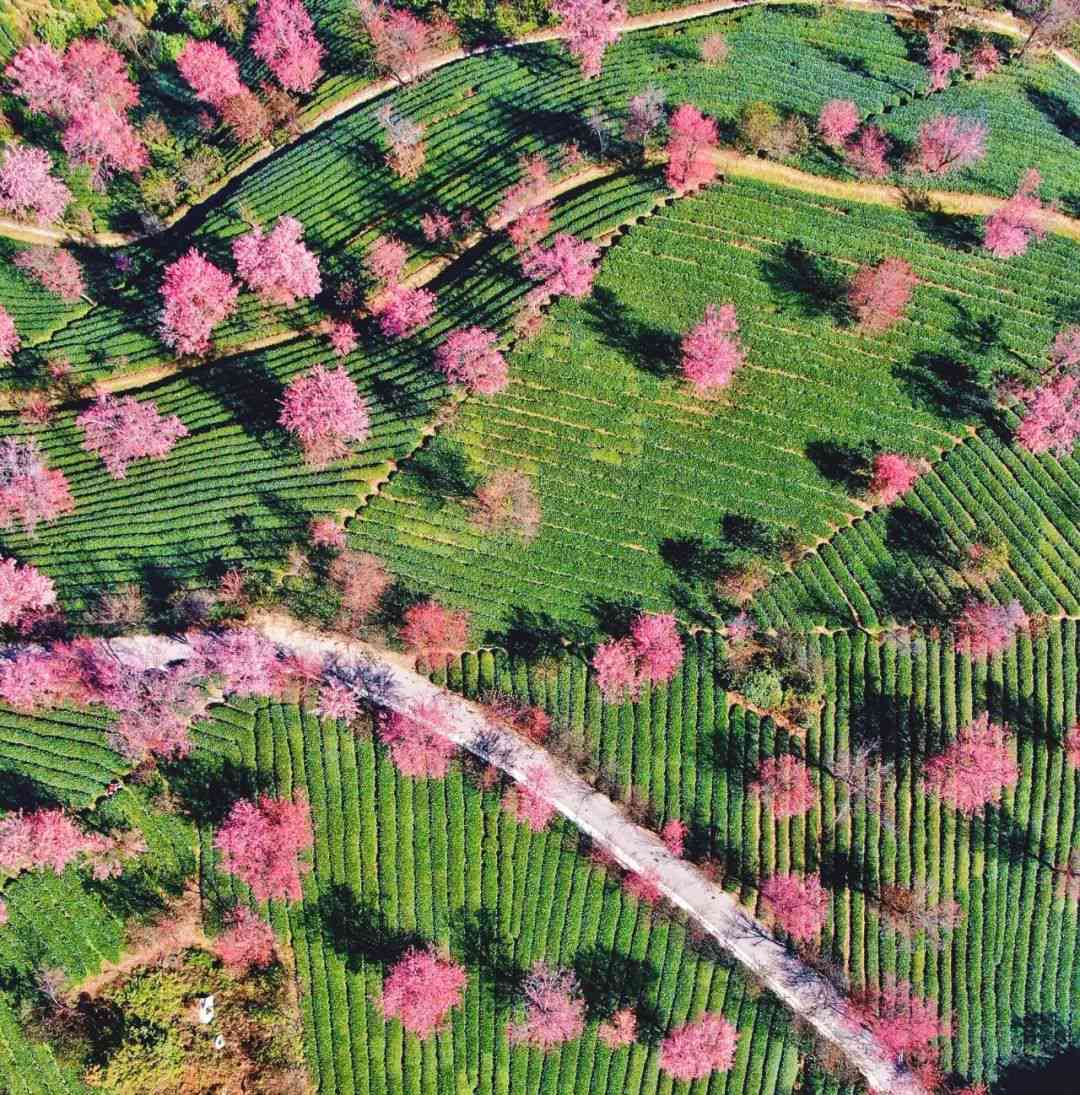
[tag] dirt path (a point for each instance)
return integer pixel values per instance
(804, 990)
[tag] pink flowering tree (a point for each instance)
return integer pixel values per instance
(657, 646)
(210, 72)
(974, 770)
(262, 842)
(342, 337)
(879, 294)
(529, 802)
(1009, 231)
(37, 75)
(432, 631)
(620, 1030)
(469, 357)
(523, 210)
(156, 709)
(28, 190)
(102, 140)
(54, 269)
(948, 142)
(421, 989)
(326, 412)
(402, 42)
(984, 629)
(674, 834)
(1072, 747)
(984, 60)
(241, 660)
(798, 904)
(362, 581)
(893, 475)
(246, 943)
(590, 27)
(51, 840)
(1065, 349)
(337, 700)
(506, 503)
(403, 311)
(9, 336)
(121, 430)
(699, 1047)
(692, 141)
(785, 785)
(566, 268)
(24, 590)
(417, 740)
(867, 153)
(285, 42)
(385, 261)
(711, 352)
(615, 666)
(554, 1010)
(197, 296)
(276, 264)
(838, 120)
(941, 62)
(30, 491)
(1050, 415)
(906, 1025)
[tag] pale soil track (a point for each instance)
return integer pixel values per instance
(801, 988)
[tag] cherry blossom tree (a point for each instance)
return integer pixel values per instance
(906, 1025)
(657, 646)
(838, 120)
(418, 744)
(867, 153)
(699, 1047)
(362, 580)
(620, 1030)
(643, 887)
(9, 336)
(405, 156)
(36, 75)
(948, 142)
(54, 269)
(879, 294)
(615, 665)
(243, 661)
(523, 209)
(28, 190)
(941, 62)
(23, 590)
(469, 357)
(326, 412)
(433, 631)
(984, 629)
(125, 429)
(591, 26)
(197, 296)
(1051, 21)
(285, 41)
(975, 769)
(893, 475)
(691, 143)
(1072, 747)
(261, 842)
(1008, 232)
(327, 533)
(343, 338)
(101, 139)
(714, 49)
(210, 72)
(403, 311)
(506, 502)
(30, 491)
(89, 72)
(711, 352)
(566, 268)
(421, 989)
(785, 784)
(156, 708)
(402, 41)
(385, 261)
(276, 264)
(1065, 349)
(798, 904)
(1051, 415)
(337, 700)
(246, 117)
(528, 802)
(246, 943)
(984, 60)
(554, 1009)
(51, 840)
(674, 834)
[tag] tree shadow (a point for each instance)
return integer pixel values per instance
(849, 466)
(1049, 1061)
(1059, 113)
(531, 634)
(982, 334)
(893, 732)
(251, 393)
(207, 786)
(19, 792)
(442, 471)
(614, 617)
(846, 869)
(476, 938)
(999, 834)
(649, 347)
(358, 932)
(611, 981)
(913, 532)
(814, 285)
(941, 383)
(692, 559)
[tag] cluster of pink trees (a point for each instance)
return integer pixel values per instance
(652, 652)
(697, 1048)
(711, 352)
(285, 42)
(866, 151)
(784, 783)
(942, 60)
(121, 430)
(326, 412)
(983, 629)
(276, 264)
(975, 769)
(30, 491)
(402, 42)
(89, 91)
(9, 336)
(401, 310)
(246, 943)
(905, 1024)
(196, 297)
(51, 840)
(554, 1009)
(591, 26)
(421, 989)
(879, 294)
(417, 740)
(692, 142)
(1051, 414)
(28, 190)
(262, 841)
